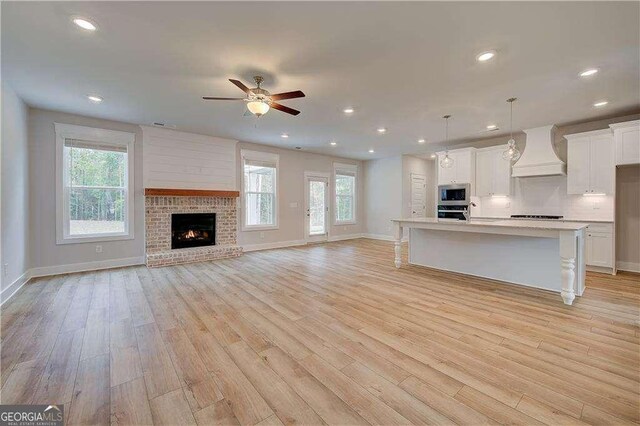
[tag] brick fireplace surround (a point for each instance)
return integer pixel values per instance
(161, 203)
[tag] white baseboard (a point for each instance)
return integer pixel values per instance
(13, 288)
(44, 271)
(628, 266)
(268, 246)
(344, 237)
(382, 237)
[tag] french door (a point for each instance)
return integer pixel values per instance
(316, 208)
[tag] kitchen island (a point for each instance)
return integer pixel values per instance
(541, 254)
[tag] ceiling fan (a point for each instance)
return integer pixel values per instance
(259, 100)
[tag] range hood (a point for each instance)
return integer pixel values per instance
(539, 158)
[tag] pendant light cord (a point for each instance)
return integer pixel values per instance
(511, 101)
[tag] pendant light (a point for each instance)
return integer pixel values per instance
(446, 162)
(511, 153)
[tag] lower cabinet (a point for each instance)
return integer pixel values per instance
(599, 245)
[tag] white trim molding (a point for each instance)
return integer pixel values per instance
(99, 137)
(266, 157)
(345, 237)
(13, 288)
(628, 266)
(45, 271)
(269, 246)
(345, 169)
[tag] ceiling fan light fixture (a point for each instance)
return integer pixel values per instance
(258, 108)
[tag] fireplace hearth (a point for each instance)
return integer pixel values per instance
(193, 230)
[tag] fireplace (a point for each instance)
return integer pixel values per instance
(193, 230)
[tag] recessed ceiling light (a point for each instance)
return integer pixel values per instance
(348, 110)
(94, 98)
(85, 24)
(333, 143)
(284, 136)
(485, 56)
(600, 104)
(587, 73)
(371, 151)
(421, 141)
(492, 127)
(433, 156)
(382, 130)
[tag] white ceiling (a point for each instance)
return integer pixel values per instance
(400, 65)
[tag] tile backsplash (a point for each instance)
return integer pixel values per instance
(546, 196)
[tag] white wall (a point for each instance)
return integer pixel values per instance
(383, 195)
(180, 160)
(410, 165)
(291, 222)
(45, 253)
(15, 189)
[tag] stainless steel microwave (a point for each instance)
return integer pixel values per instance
(454, 195)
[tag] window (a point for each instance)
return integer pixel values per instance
(260, 182)
(345, 190)
(95, 184)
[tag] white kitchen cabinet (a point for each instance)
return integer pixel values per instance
(590, 166)
(493, 173)
(599, 245)
(627, 142)
(463, 169)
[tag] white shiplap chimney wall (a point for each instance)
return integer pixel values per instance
(180, 160)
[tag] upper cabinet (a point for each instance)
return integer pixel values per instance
(590, 166)
(627, 142)
(463, 169)
(493, 173)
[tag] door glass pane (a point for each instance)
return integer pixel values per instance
(317, 208)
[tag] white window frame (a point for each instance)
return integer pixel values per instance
(246, 154)
(345, 169)
(100, 137)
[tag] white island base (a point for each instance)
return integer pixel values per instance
(546, 255)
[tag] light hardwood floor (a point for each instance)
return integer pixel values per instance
(330, 334)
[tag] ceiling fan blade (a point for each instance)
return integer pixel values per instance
(241, 86)
(287, 95)
(211, 98)
(283, 108)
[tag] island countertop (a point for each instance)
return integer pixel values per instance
(507, 223)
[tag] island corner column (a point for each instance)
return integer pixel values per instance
(397, 227)
(568, 254)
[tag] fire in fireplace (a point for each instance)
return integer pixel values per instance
(193, 230)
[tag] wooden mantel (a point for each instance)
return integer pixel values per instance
(168, 192)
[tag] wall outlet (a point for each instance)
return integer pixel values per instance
(98, 248)
(262, 235)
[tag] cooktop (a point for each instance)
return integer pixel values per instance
(534, 216)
